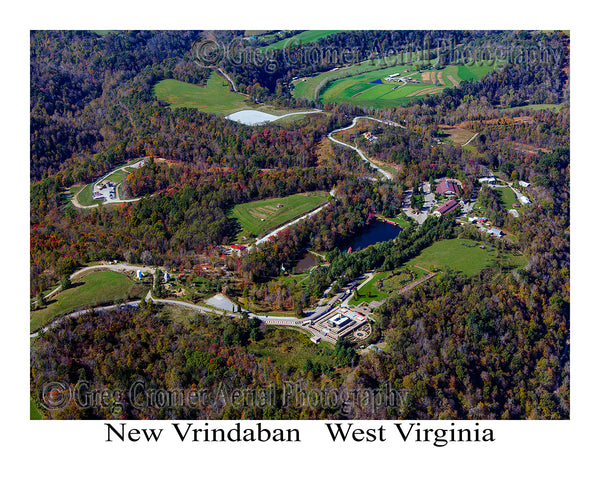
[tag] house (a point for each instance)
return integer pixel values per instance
(446, 187)
(167, 277)
(524, 184)
(496, 232)
(139, 274)
(523, 199)
(446, 208)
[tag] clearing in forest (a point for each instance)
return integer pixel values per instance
(88, 290)
(249, 217)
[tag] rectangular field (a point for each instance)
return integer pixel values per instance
(274, 211)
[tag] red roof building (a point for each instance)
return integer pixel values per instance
(446, 207)
(446, 187)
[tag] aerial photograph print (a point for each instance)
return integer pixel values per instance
(299, 225)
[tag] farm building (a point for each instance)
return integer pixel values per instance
(446, 208)
(139, 274)
(523, 184)
(167, 277)
(446, 187)
(523, 199)
(496, 232)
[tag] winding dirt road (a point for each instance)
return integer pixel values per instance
(360, 153)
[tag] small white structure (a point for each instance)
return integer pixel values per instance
(523, 199)
(167, 277)
(139, 274)
(491, 179)
(524, 184)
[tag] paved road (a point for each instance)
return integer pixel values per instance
(79, 313)
(422, 215)
(117, 199)
(287, 225)
(114, 267)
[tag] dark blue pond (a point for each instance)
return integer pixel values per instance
(374, 233)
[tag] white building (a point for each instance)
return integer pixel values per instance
(491, 179)
(524, 184)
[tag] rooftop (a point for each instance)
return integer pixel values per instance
(447, 207)
(446, 187)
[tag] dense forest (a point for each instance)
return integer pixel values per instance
(490, 346)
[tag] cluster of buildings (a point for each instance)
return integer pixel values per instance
(105, 190)
(395, 77)
(336, 324)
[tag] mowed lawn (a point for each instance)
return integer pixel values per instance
(84, 196)
(89, 289)
(215, 97)
(507, 197)
(465, 256)
(260, 216)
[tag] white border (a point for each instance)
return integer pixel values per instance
(55, 449)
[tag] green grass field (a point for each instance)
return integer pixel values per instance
(289, 348)
(507, 197)
(34, 413)
(358, 90)
(391, 282)
(249, 215)
(89, 289)
(85, 196)
(464, 256)
(215, 97)
(303, 38)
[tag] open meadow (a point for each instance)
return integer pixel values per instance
(258, 217)
(87, 290)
